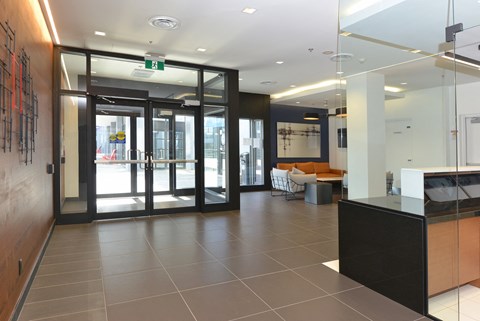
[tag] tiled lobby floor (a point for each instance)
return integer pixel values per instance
(262, 263)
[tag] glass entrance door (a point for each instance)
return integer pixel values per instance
(173, 157)
(120, 158)
(145, 158)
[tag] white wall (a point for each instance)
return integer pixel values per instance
(429, 140)
(425, 143)
(467, 105)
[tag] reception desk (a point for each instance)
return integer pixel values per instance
(410, 249)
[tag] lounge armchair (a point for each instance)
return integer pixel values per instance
(288, 184)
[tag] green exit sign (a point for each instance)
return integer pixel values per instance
(154, 64)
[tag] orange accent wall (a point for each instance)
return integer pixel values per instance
(26, 192)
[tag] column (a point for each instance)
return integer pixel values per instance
(366, 136)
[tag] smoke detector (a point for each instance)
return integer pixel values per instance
(164, 22)
(340, 57)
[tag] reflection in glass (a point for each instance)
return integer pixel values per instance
(172, 82)
(251, 152)
(214, 154)
(73, 164)
(74, 70)
(214, 86)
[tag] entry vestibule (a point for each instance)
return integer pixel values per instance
(135, 142)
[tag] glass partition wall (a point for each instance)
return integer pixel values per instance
(410, 85)
(134, 141)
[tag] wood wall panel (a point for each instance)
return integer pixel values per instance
(26, 192)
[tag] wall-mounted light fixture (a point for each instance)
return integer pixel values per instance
(311, 116)
(462, 59)
(341, 112)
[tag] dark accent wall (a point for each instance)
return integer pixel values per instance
(257, 106)
(26, 191)
(282, 113)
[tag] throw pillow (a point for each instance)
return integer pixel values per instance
(297, 171)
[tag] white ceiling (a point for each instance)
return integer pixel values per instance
(297, 33)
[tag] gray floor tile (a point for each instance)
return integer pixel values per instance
(161, 308)
(223, 302)
(138, 285)
(283, 288)
(323, 309)
(327, 279)
(376, 306)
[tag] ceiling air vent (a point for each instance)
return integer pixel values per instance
(142, 73)
(341, 57)
(164, 22)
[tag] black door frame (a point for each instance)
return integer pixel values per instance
(148, 106)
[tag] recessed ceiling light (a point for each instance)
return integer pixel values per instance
(403, 83)
(279, 62)
(292, 86)
(52, 22)
(100, 33)
(297, 102)
(415, 51)
(339, 72)
(164, 22)
(180, 81)
(338, 94)
(93, 72)
(201, 49)
(345, 34)
(249, 10)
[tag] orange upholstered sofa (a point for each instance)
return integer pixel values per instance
(321, 169)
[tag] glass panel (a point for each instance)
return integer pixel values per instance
(251, 152)
(161, 150)
(214, 153)
(173, 82)
(74, 70)
(120, 171)
(400, 97)
(173, 182)
(185, 149)
(214, 86)
(73, 149)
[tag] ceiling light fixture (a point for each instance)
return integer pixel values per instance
(279, 62)
(292, 86)
(403, 83)
(164, 22)
(240, 79)
(392, 89)
(311, 116)
(248, 10)
(100, 33)
(345, 34)
(339, 72)
(461, 59)
(297, 102)
(415, 51)
(52, 22)
(201, 49)
(319, 85)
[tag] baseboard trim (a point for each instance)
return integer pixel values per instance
(31, 277)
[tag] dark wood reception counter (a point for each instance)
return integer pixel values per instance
(409, 249)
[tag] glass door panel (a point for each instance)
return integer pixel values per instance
(173, 157)
(214, 153)
(120, 158)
